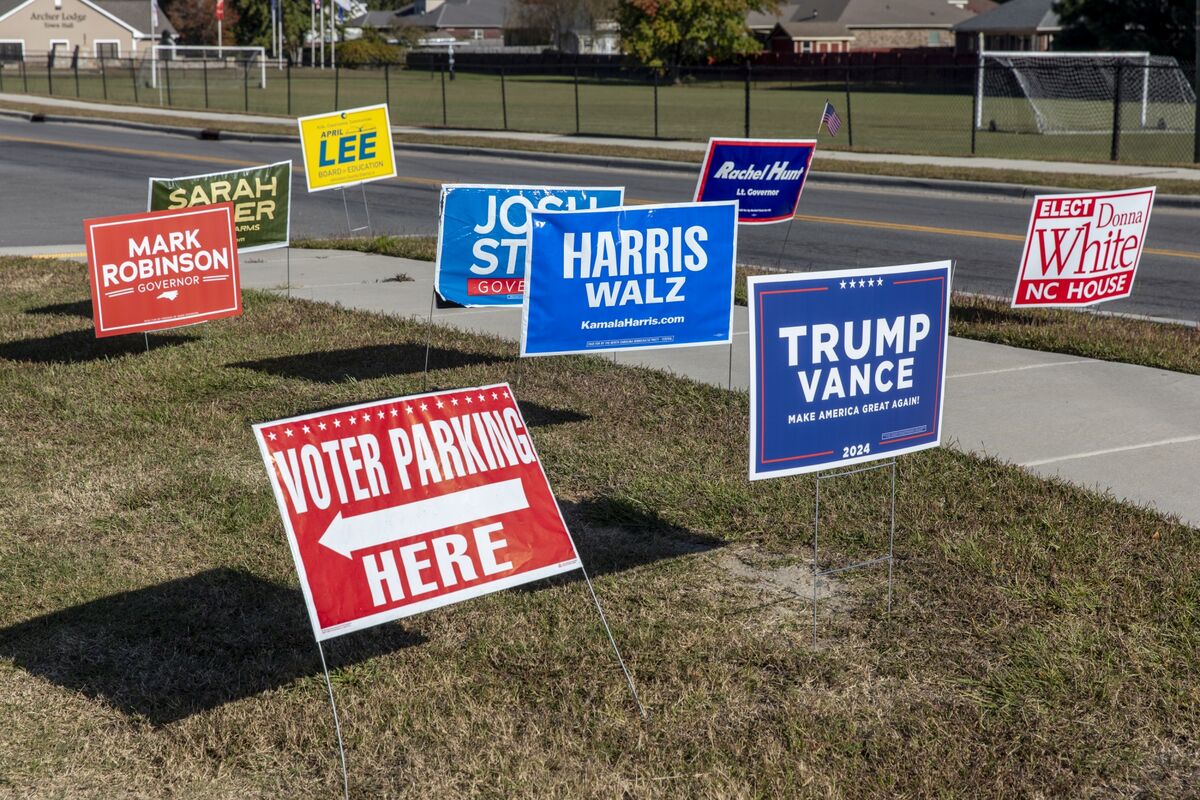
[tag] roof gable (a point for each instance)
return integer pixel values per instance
(907, 13)
(1016, 15)
(869, 14)
(453, 14)
(133, 15)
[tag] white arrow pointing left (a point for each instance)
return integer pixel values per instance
(347, 534)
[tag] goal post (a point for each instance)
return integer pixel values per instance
(1059, 92)
(204, 56)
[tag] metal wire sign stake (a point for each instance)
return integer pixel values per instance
(366, 210)
(337, 723)
(847, 374)
(818, 573)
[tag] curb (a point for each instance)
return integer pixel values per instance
(599, 162)
(988, 188)
(153, 127)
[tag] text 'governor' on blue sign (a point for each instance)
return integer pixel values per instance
(483, 237)
(630, 278)
(846, 366)
(765, 176)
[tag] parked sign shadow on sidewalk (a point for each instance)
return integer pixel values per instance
(186, 646)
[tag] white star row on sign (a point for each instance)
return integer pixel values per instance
(353, 419)
(860, 283)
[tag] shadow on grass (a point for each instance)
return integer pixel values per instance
(186, 646)
(75, 347)
(535, 414)
(613, 535)
(79, 308)
(539, 416)
(365, 363)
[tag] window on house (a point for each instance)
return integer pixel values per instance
(12, 51)
(477, 33)
(108, 50)
(806, 47)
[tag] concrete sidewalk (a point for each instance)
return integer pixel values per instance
(1128, 429)
(287, 127)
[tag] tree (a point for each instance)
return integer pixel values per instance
(1162, 27)
(669, 33)
(196, 20)
(253, 25)
(556, 18)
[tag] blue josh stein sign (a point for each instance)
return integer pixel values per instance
(483, 237)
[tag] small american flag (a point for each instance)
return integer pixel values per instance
(830, 119)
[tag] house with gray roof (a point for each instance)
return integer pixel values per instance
(1026, 25)
(482, 21)
(838, 26)
(93, 28)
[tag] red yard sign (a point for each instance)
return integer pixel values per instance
(1083, 249)
(400, 506)
(163, 269)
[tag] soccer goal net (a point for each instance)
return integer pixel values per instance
(184, 60)
(1030, 92)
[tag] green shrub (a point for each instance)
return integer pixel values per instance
(366, 53)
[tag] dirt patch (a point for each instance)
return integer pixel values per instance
(783, 584)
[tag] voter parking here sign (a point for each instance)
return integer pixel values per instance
(162, 269)
(400, 506)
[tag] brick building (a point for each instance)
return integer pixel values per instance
(482, 21)
(839, 26)
(1026, 25)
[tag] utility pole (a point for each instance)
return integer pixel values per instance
(1196, 91)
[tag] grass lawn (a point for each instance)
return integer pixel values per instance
(1044, 639)
(650, 151)
(1082, 333)
(883, 118)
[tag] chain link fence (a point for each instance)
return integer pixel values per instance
(1081, 112)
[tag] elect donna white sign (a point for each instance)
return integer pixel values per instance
(846, 366)
(630, 278)
(483, 237)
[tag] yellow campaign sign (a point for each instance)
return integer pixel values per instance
(347, 147)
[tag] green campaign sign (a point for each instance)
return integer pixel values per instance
(261, 198)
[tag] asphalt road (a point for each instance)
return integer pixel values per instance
(52, 176)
